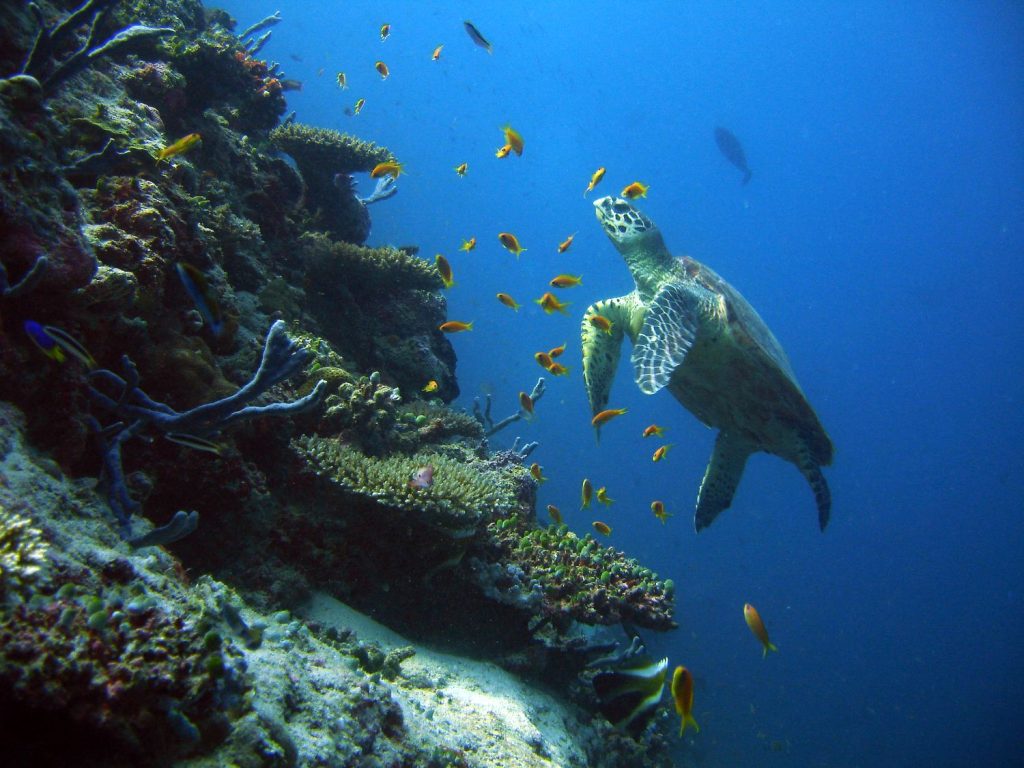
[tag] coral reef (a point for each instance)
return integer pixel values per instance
(22, 552)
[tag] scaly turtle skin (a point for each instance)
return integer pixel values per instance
(695, 334)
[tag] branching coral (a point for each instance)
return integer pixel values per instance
(22, 552)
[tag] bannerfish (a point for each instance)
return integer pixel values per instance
(476, 37)
(628, 696)
(422, 478)
(199, 290)
(682, 695)
(732, 150)
(58, 344)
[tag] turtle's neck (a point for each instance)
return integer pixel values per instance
(649, 263)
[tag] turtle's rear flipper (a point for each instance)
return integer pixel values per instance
(822, 495)
(721, 478)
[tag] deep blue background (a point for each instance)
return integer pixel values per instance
(881, 239)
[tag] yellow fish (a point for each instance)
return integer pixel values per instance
(181, 145)
(544, 360)
(536, 473)
(513, 139)
(605, 416)
(455, 326)
(603, 497)
(564, 245)
(550, 303)
(654, 429)
(635, 190)
(556, 352)
(682, 695)
(508, 301)
(658, 508)
(511, 243)
(436, 54)
(462, 168)
(503, 151)
(660, 453)
(342, 81)
(603, 528)
(601, 322)
(757, 627)
(382, 70)
(445, 270)
(358, 107)
(394, 170)
(594, 180)
(468, 245)
(431, 386)
(526, 403)
(555, 513)
(586, 493)
(565, 281)
(557, 369)
(385, 30)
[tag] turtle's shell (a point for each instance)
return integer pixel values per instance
(737, 378)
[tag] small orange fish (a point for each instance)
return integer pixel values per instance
(394, 170)
(181, 145)
(603, 497)
(682, 695)
(462, 168)
(605, 416)
(511, 243)
(342, 81)
(382, 70)
(431, 386)
(586, 493)
(544, 360)
(660, 453)
(603, 528)
(513, 139)
(601, 322)
(757, 627)
(556, 352)
(445, 270)
(503, 151)
(385, 30)
(566, 281)
(536, 472)
(555, 513)
(557, 369)
(508, 301)
(594, 180)
(653, 430)
(564, 245)
(526, 403)
(550, 303)
(436, 54)
(468, 245)
(454, 326)
(358, 106)
(635, 190)
(658, 508)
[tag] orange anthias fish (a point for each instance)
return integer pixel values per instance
(394, 170)
(544, 360)
(385, 30)
(653, 430)
(455, 326)
(682, 695)
(660, 453)
(382, 70)
(603, 497)
(586, 493)
(462, 168)
(526, 403)
(436, 54)
(550, 303)
(605, 416)
(566, 281)
(503, 151)
(564, 245)
(601, 322)
(181, 145)
(757, 627)
(555, 513)
(513, 139)
(508, 301)
(603, 528)
(556, 352)
(511, 243)
(537, 473)
(557, 369)
(635, 190)
(594, 180)
(658, 508)
(445, 270)
(468, 245)
(431, 386)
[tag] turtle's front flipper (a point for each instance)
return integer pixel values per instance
(601, 347)
(670, 327)
(721, 478)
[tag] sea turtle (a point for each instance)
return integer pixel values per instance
(695, 334)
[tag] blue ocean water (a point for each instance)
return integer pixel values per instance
(880, 238)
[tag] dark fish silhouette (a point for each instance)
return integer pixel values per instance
(730, 146)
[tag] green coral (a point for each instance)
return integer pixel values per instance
(22, 552)
(329, 262)
(463, 491)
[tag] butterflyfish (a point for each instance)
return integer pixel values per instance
(550, 303)
(628, 696)
(511, 243)
(508, 301)
(757, 627)
(635, 190)
(566, 281)
(594, 181)
(445, 270)
(476, 37)
(682, 695)
(455, 326)
(586, 493)
(183, 144)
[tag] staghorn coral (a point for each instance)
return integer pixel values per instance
(22, 552)
(371, 270)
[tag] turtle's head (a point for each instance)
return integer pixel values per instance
(633, 234)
